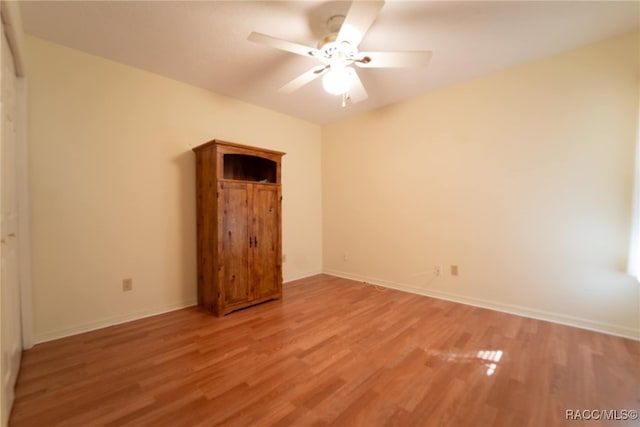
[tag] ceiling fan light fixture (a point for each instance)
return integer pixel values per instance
(338, 81)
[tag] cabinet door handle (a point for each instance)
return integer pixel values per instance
(255, 242)
(250, 241)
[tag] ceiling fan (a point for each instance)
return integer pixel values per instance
(338, 51)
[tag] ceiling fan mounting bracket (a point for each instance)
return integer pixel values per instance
(334, 23)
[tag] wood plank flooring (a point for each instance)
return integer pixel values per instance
(332, 352)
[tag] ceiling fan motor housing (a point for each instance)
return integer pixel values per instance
(332, 50)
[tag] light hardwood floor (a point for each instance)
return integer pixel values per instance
(332, 352)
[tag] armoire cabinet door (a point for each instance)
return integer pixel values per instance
(233, 231)
(264, 257)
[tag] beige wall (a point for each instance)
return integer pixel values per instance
(112, 186)
(522, 178)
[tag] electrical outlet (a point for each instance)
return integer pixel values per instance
(436, 270)
(127, 285)
(454, 270)
(345, 257)
(284, 257)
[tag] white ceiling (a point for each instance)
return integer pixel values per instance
(204, 43)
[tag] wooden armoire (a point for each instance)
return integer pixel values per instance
(238, 203)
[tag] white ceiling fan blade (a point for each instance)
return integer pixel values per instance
(303, 79)
(359, 18)
(357, 92)
(283, 44)
(393, 59)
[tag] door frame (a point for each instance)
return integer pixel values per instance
(12, 26)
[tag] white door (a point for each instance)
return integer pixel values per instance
(10, 313)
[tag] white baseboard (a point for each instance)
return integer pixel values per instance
(301, 276)
(548, 316)
(563, 319)
(104, 323)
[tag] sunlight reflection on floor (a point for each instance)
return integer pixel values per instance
(488, 358)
